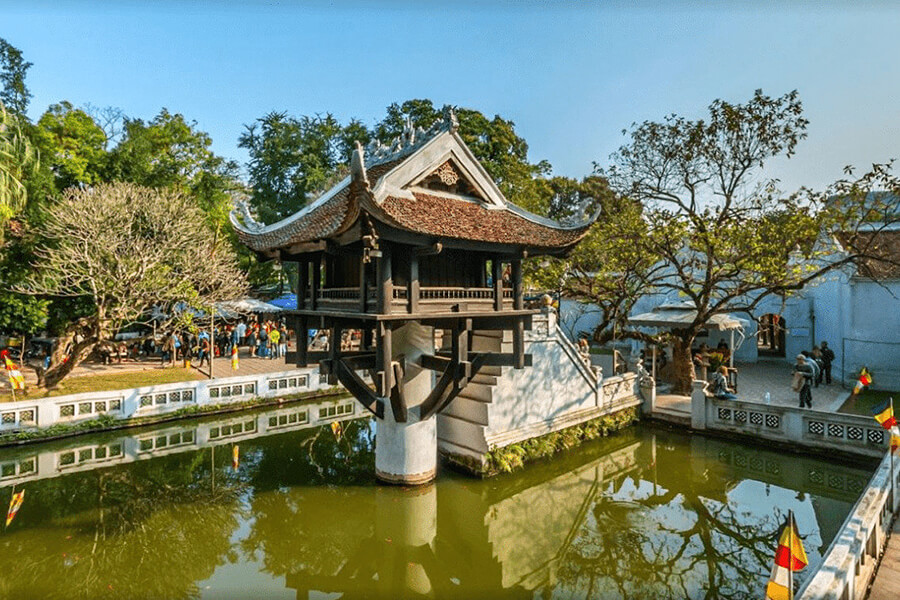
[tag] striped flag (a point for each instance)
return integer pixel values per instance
(895, 439)
(234, 358)
(884, 414)
(865, 379)
(337, 429)
(15, 375)
(235, 457)
(789, 557)
(14, 505)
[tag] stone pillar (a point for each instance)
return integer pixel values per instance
(405, 529)
(698, 405)
(406, 453)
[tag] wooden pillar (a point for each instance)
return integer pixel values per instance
(316, 282)
(383, 359)
(497, 276)
(334, 351)
(460, 351)
(363, 284)
(302, 335)
(385, 281)
(412, 292)
(518, 304)
(302, 283)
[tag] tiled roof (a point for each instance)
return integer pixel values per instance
(460, 219)
(882, 249)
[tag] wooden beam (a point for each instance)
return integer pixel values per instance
(442, 390)
(398, 398)
(359, 362)
(383, 359)
(495, 360)
(519, 345)
(472, 370)
(434, 363)
(358, 388)
(431, 250)
(363, 287)
(497, 276)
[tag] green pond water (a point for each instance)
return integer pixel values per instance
(162, 513)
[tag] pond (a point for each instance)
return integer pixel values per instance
(267, 505)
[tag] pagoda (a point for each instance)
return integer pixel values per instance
(418, 252)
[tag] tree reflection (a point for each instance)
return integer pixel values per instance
(146, 530)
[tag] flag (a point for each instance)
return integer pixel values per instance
(895, 439)
(235, 458)
(15, 376)
(337, 429)
(14, 505)
(789, 557)
(865, 378)
(884, 414)
(234, 358)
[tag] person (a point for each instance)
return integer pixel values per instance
(168, 350)
(203, 354)
(275, 341)
(720, 384)
(804, 375)
(283, 340)
(827, 359)
(262, 341)
(807, 355)
(241, 333)
(724, 350)
(820, 364)
(251, 341)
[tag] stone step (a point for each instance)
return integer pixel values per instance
(477, 391)
(484, 379)
(468, 409)
(461, 432)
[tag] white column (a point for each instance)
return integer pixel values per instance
(406, 453)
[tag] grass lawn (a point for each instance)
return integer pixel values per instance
(111, 381)
(866, 401)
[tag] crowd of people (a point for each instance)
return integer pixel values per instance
(266, 339)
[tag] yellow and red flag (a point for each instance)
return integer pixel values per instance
(337, 429)
(884, 414)
(234, 358)
(235, 457)
(789, 557)
(895, 439)
(15, 375)
(865, 378)
(14, 505)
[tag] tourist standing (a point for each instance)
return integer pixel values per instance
(205, 348)
(261, 342)
(283, 340)
(827, 359)
(275, 342)
(805, 374)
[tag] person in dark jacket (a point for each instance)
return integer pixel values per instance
(827, 359)
(806, 371)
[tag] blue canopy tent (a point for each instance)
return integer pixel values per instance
(286, 301)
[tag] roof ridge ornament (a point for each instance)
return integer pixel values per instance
(242, 208)
(411, 138)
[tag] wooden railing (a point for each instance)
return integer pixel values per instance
(342, 298)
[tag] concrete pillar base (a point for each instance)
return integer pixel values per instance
(405, 453)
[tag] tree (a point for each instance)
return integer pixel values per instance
(127, 249)
(17, 157)
(292, 159)
(710, 233)
(13, 69)
(73, 145)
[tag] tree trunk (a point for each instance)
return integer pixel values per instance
(57, 372)
(682, 363)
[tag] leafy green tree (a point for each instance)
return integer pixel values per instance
(72, 144)
(710, 232)
(17, 158)
(293, 159)
(13, 69)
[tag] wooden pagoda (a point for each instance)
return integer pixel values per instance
(418, 232)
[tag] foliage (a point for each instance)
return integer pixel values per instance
(13, 69)
(128, 249)
(17, 156)
(72, 144)
(708, 232)
(514, 456)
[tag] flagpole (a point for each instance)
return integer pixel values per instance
(791, 554)
(891, 452)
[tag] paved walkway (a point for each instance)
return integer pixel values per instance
(247, 365)
(754, 380)
(887, 579)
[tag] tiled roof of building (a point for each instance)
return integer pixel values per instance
(882, 250)
(460, 219)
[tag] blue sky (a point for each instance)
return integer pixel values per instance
(571, 76)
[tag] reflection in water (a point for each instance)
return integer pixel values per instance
(161, 513)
